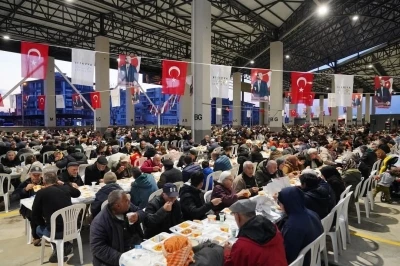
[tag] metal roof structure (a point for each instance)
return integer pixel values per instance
(241, 31)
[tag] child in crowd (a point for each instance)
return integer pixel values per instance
(385, 180)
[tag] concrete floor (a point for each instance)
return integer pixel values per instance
(374, 241)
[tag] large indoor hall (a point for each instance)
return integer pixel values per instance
(199, 132)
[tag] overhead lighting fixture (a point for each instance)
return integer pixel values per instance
(252, 62)
(355, 18)
(287, 56)
(327, 89)
(6, 37)
(322, 10)
(370, 66)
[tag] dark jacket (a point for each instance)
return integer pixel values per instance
(4, 169)
(333, 178)
(127, 173)
(189, 170)
(141, 189)
(317, 200)
(259, 243)
(351, 177)
(49, 200)
(47, 148)
(187, 146)
(207, 254)
(110, 236)
(73, 157)
(243, 155)
(102, 196)
(66, 178)
(263, 177)
(308, 161)
(23, 194)
(93, 174)
(256, 157)
(369, 158)
(158, 220)
(227, 196)
(302, 227)
(8, 163)
(192, 203)
(170, 176)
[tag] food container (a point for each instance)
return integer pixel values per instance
(211, 218)
(155, 243)
(196, 233)
(224, 228)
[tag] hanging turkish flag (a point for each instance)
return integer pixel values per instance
(41, 102)
(1, 101)
(174, 77)
(293, 113)
(309, 99)
(34, 59)
(95, 99)
(301, 86)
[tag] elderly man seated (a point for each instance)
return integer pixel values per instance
(124, 168)
(116, 229)
(71, 175)
(96, 171)
(152, 165)
(267, 170)
(11, 159)
(110, 179)
(27, 189)
(246, 180)
(312, 159)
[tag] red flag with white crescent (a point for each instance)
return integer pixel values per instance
(309, 100)
(293, 113)
(174, 77)
(95, 99)
(301, 86)
(1, 101)
(34, 59)
(41, 102)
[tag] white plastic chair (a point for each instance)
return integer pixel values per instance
(235, 150)
(334, 233)
(298, 261)
(370, 192)
(72, 230)
(207, 196)
(88, 151)
(37, 147)
(115, 147)
(81, 171)
(255, 168)
(365, 199)
(218, 150)
(314, 248)
(23, 156)
(174, 143)
(104, 204)
(165, 144)
(6, 195)
(2, 156)
(344, 193)
(180, 145)
(206, 187)
(155, 194)
(235, 170)
(121, 143)
(356, 197)
(326, 224)
(139, 162)
(344, 222)
(179, 185)
(216, 175)
(46, 155)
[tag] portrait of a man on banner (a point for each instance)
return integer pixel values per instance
(77, 101)
(383, 92)
(128, 70)
(356, 100)
(260, 85)
(135, 91)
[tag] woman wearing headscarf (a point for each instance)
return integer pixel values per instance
(333, 178)
(281, 163)
(178, 251)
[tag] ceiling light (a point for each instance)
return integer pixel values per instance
(327, 89)
(322, 10)
(252, 62)
(355, 18)
(6, 37)
(370, 66)
(287, 56)
(118, 59)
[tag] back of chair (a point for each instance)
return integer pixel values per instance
(115, 147)
(3, 178)
(180, 144)
(46, 156)
(235, 170)
(364, 186)
(165, 144)
(235, 150)
(216, 175)
(357, 190)
(207, 186)
(179, 185)
(174, 143)
(2, 156)
(104, 204)
(155, 194)
(218, 150)
(338, 210)
(139, 162)
(23, 156)
(327, 221)
(207, 196)
(121, 143)
(37, 147)
(70, 217)
(314, 248)
(81, 170)
(344, 193)
(255, 168)
(345, 208)
(298, 261)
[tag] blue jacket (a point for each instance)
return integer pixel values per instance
(207, 171)
(222, 164)
(141, 190)
(189, 170)
(302, 226)
(102, 196)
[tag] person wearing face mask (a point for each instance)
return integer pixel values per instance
(266, 171)
(259, 240)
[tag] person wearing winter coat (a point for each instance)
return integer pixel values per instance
(110, 179)
(190, 168)
(141, 189)
(96, 171)
(259, 240)
(246, 180)
(170, 175)
(124, 168)
(73, 156)
(207, 170)
(192, 199)
(333, 178)
(112, 232)
(243, 155)
(266, 171)
(302, 226)
(312, 159)
(256, 156)
(317, 197)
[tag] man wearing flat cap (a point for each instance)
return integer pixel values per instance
(96, 171)
(259, 240)
(71, 175)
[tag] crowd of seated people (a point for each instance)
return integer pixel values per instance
(342, 156)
